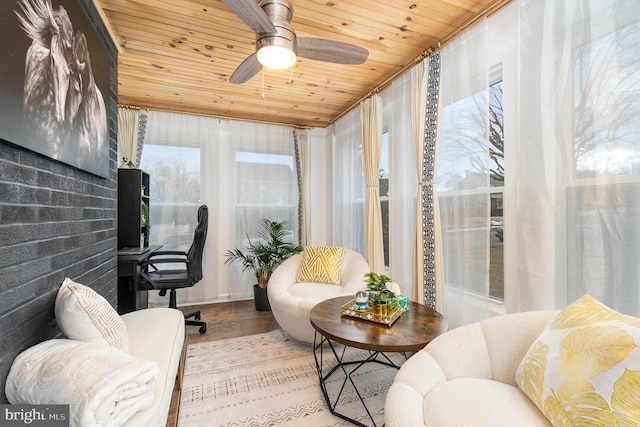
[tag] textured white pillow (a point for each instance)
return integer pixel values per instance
(83, 314)
(103, 386)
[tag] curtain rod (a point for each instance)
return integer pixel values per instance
(130, 107)
(166, 110)
(485, 12)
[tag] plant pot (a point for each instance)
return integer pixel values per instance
(380, 308)
(261, 298)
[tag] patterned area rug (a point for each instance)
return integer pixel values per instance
(270, 380)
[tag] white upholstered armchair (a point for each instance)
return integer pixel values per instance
(291, 301)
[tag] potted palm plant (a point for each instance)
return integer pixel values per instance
(263, 256)
(379, 293)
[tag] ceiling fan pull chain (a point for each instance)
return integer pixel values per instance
(262, 95)
(291, 76)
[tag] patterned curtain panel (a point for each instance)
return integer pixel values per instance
(427, 276)
(431, 247)
(142, 129)
(301, 141)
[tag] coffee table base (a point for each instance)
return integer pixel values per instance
(347, 367)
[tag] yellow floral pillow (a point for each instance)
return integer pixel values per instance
(584, 369)
(321, 264)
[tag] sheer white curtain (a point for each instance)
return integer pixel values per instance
(348, 183)
(403, 185)
(242, 171)
(568, 78)
(577, 222)
(463, 177)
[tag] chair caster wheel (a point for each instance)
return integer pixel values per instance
(203, 329)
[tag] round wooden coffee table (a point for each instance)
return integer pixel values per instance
(412, 331)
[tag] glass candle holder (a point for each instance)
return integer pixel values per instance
(362, 300)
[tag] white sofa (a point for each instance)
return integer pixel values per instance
(467, 377)
(157, 334)
(105, 385)
(291, 302)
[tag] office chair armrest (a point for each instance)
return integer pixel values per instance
(166, 256)
(152, 262)
(161, 253)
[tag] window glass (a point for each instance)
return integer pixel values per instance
(383, 182)
(266, 188)
(606, 107)
(470, 182)
(174, 193)
(496, 182)
(603, 208)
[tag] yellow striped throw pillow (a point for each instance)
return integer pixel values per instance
(321, 264)
(584, 369)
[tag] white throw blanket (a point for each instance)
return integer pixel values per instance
(104, 386)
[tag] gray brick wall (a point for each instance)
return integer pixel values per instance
(55, 222)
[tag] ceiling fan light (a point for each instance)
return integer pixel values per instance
(276, 57)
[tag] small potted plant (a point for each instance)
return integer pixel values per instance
(146, 222)
(379, 293)
(263, 256)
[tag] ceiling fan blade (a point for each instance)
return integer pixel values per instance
(331, 51)
(245, 71)
(251, 14)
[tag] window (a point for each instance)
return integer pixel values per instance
(605, 104)
(267, 188)
(496, 181)
(470, 182)
(571, 163)
(602, 201)
(174, 193)
(383, 183)
(243, 171)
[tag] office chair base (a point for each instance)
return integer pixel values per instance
(203, 325)
(196, 322)
(194, 314)
(187, 316)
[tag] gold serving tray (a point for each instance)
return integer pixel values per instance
(393, 313)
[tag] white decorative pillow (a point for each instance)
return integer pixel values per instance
(83, 314)
(584, 368)
(103, 386)
(321, 264)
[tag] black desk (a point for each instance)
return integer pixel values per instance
(130, 298)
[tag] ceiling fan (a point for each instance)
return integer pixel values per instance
(276, 43)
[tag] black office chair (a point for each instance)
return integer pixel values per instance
(153, 278)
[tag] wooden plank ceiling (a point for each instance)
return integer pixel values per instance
(178, 55)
